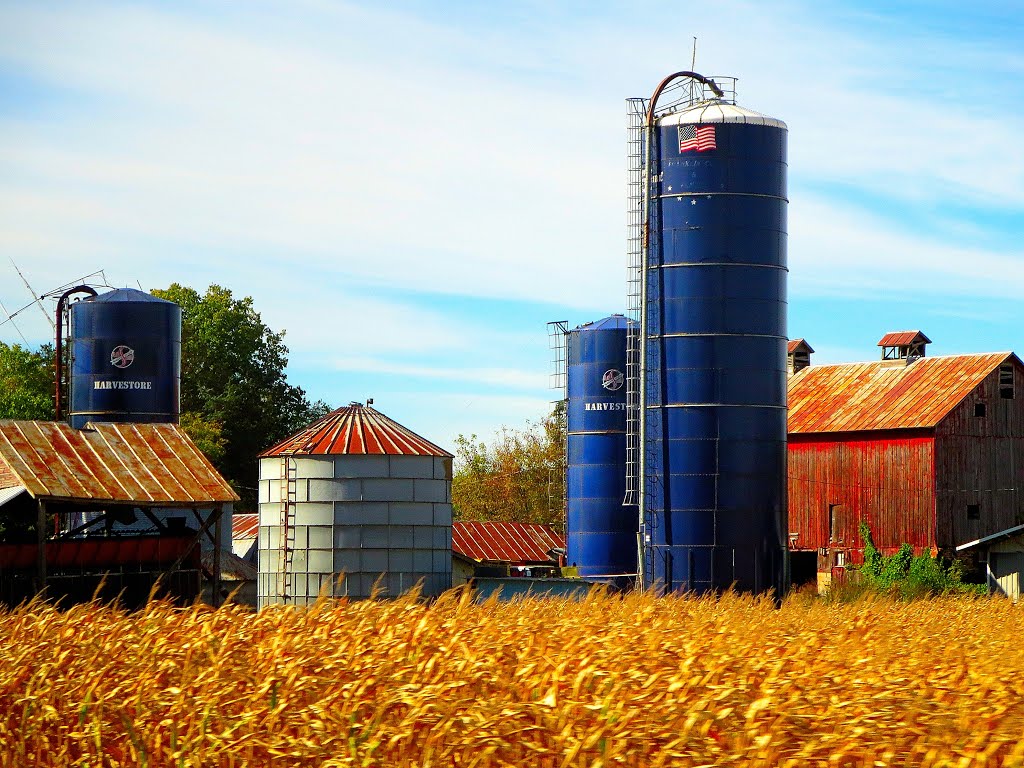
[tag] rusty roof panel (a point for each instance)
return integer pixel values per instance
(142, 464)
(902, 338)
(854, 397)
(505, 542)
(795, 344)
(355, 429)
(245, 526)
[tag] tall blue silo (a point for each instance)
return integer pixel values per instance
(125, 358)
(713, 393)
(601, 533)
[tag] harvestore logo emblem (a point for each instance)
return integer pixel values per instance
(612, 380)
(123, 356)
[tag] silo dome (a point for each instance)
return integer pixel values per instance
(353, 500)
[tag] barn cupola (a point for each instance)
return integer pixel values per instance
(798, 356)
(904, 346)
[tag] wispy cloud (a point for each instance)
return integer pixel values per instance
(509, 378)
(357, 168)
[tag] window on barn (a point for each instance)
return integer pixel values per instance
(1006, 381)
(973, 511)
(979, 409)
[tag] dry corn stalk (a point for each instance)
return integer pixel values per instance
(608, 681)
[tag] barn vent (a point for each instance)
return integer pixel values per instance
(799, 356)
(903, 346)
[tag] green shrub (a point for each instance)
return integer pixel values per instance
(909, 576)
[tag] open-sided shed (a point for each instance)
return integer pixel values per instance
(129, 503)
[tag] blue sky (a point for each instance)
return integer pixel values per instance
(413, 189)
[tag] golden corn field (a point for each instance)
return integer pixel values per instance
(542, 682)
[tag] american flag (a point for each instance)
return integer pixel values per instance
(696, 137)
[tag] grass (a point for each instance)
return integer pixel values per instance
(607, 681)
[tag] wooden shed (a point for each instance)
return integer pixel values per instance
(925, 450)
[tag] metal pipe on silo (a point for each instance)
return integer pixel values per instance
(713, 344)
(58, 358)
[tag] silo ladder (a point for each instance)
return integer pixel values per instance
(288, 494)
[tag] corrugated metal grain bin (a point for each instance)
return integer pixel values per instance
(353, 501)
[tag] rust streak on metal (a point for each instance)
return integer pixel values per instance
(355, 429)
(142, 464)
(870, 396)
(515, 543)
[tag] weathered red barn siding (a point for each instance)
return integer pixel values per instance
(882, 478)
(980, 460)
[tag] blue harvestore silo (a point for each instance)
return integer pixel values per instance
(125, 358)
(713, 397)
(601, 533)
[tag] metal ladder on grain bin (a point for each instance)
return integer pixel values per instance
(287, 543)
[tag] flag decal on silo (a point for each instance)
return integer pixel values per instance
(696, 137)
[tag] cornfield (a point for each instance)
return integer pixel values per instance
(606, 681)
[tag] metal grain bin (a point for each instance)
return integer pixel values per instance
(353, 501)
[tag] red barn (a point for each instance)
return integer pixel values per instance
(925, 450)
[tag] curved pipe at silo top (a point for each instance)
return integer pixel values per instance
(125, 359)
(600, 532)
(715, 355)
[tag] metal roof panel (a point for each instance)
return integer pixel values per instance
(143, 464)
(902, 338)
(355, 429)
(853, 397)
(505, 542)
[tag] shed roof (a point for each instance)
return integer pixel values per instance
(246, 526)
(148, 465)
(505, 542)
(795, 344)
(355, 429)
(853, 397)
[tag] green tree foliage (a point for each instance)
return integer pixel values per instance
(26, 382)
(235, 398)
(519, 476)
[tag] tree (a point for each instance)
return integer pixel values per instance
(519, 477)
(26, 382)
(235, 398)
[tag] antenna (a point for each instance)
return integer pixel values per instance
(693, 61)
(33, 293)
(10, 318)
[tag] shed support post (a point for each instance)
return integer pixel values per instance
(217, 528)
(41, 544)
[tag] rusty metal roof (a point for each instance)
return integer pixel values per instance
(150, 465)
(903, 338)
(795, 344)
(505, 542)
(853, 397)
(355, 429)
(244, 526)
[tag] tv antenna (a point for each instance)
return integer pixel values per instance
(35, 299)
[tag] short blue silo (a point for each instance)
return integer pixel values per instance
(125, 359)
(601, 538)
(714, 390)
